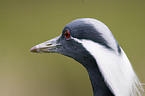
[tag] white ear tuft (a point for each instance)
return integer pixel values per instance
(115, 68)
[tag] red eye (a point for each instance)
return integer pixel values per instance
(67, 34)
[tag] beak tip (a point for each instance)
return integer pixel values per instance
(33, 49)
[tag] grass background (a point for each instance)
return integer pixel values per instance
(25, 23)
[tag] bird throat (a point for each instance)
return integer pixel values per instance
(100, 87)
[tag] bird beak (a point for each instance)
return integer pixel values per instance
(49, 46)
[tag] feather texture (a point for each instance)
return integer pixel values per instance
(116, 69)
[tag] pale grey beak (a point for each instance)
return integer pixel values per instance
(49, 46)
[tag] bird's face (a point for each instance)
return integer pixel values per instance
(64, 44)
(68, 43)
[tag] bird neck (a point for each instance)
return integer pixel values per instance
(99, 85)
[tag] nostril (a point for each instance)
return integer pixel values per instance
(49, 44)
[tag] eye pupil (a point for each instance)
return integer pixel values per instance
(67, 34)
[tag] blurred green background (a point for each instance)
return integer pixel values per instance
(25, 23)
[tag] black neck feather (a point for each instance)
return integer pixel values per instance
(99, 85)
